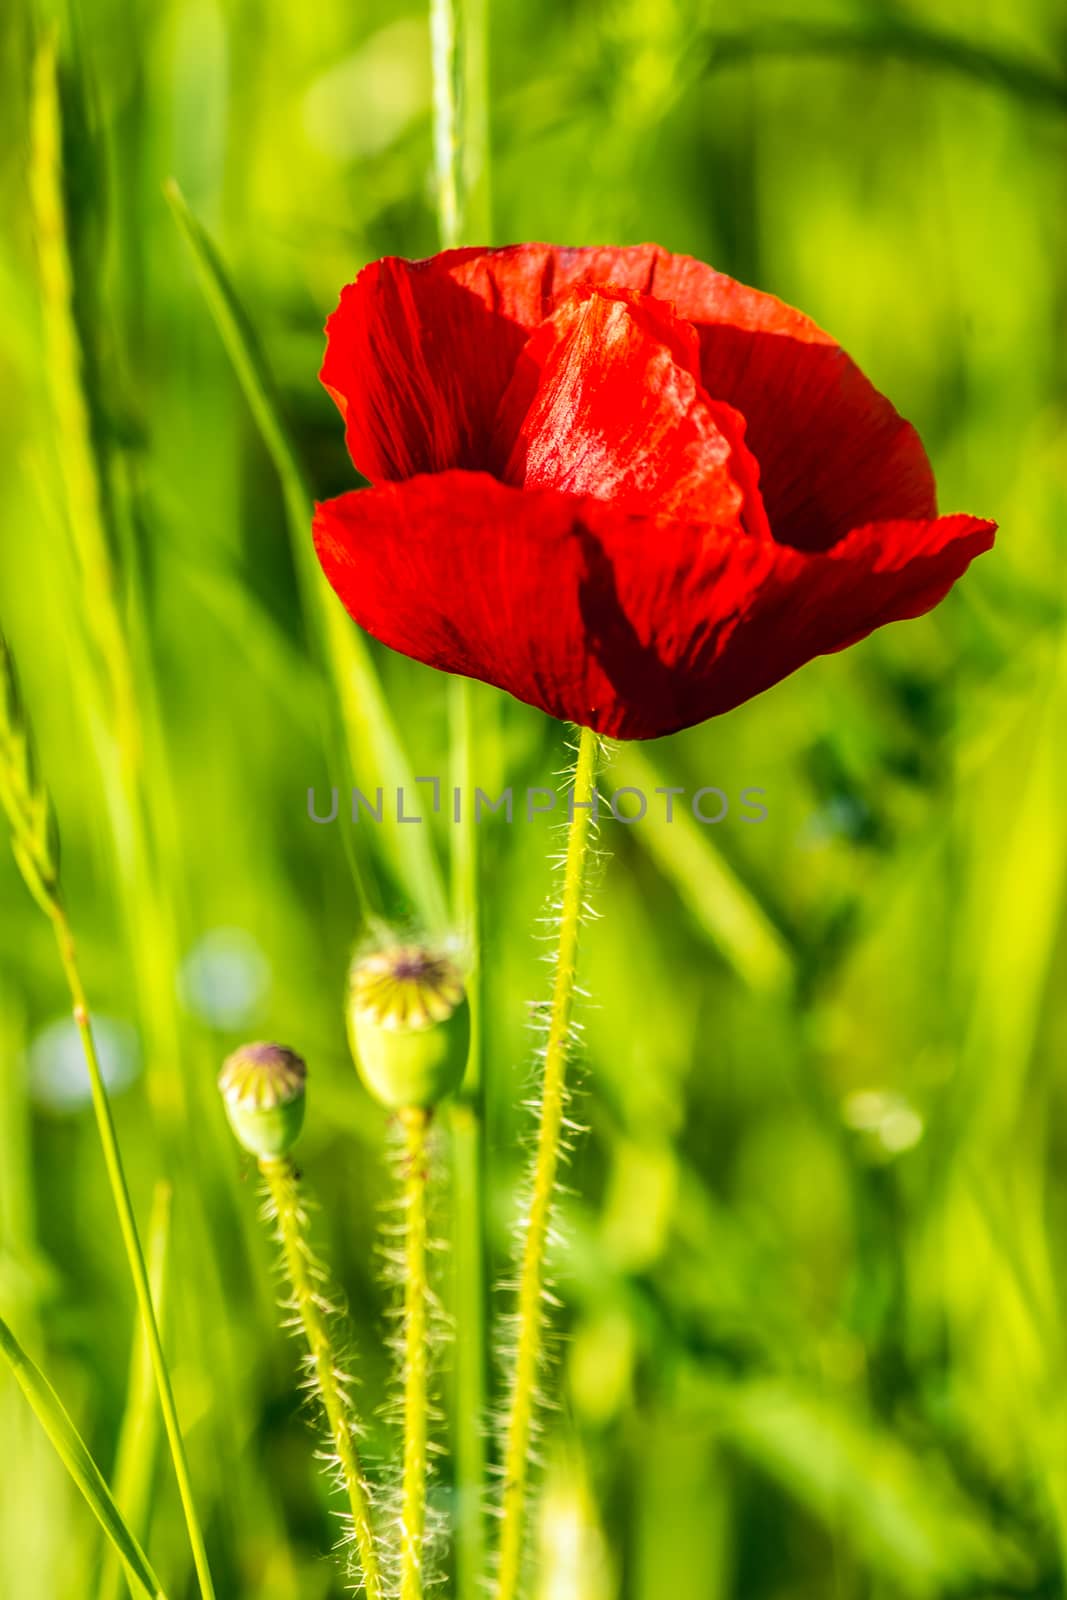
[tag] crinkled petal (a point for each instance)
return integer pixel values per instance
(808, 604)
(635, 626)
(834, 453)
(421, 353)
(417, 364)
(606, 400)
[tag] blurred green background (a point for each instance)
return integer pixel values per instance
(817, 1234)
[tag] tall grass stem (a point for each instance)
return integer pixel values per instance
(470, 1274)
(135, 1459)
(131, 1240)
(371, 736)
(35, 838)
(447, 102)
(458, 40)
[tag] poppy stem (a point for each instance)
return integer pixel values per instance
(304, 1274)
(415, 1122)
(531, 1314)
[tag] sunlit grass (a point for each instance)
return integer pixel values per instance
(817, 1235)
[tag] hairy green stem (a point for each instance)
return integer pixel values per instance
(531, 1316)
(131, 1240)
(282, 1185)
(416, 1355)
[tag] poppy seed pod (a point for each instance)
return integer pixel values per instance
(408, 1025)
(263, 1090)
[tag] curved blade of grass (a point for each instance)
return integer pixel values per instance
(35, 841)
(375, 749)
(89, 482)
(906, 40)
(139, 1438)
(74, 1454)
(725, 908)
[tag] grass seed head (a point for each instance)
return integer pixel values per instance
(22, 794)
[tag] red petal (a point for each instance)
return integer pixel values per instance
(632, 625)
(421, 352)
(833, 452)
(606, 400)
(417, 364)
(471, 576)
(809, 604)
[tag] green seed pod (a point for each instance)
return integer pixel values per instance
(408, 1025)
(262, 1088)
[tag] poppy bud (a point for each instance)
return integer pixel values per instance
(408, 1025)
(262, 1088)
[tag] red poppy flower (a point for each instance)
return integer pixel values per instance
(617, 483)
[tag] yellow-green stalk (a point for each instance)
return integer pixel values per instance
(263, 1089)
(531, 1312)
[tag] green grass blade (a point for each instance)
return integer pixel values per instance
(374, 746)
(724, 907)
(902, 1513)
(917, 43)
(1015, 936)
(75, 1456)
(25, 799)
(139, 1438)
(80, 469)
(459, 55)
